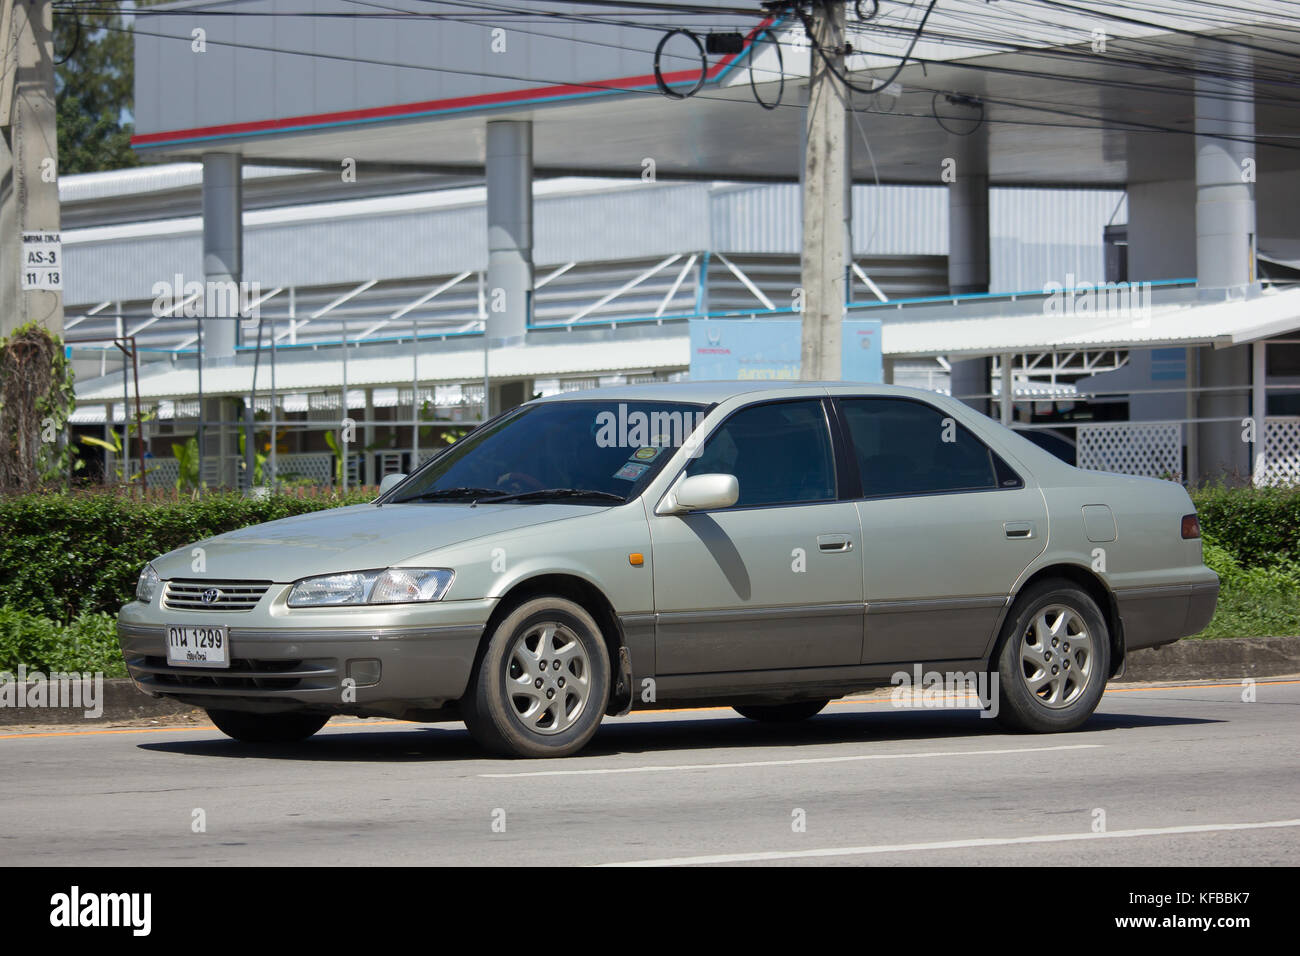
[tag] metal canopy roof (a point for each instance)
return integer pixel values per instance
(1025, 326)
(415, 93)
(1004, 325)
(535, 360)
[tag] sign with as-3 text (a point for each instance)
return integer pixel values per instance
(42, 263)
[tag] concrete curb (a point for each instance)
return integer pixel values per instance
(118, 699)
(1227, 659)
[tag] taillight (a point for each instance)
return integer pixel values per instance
(1191, 526)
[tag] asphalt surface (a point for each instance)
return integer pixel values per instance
(1188, 775)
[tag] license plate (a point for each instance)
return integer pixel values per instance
(198, 646)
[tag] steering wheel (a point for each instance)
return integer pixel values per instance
(516, 482)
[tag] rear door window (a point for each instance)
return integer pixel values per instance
(906, 447)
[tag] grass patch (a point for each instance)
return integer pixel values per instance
(1258, 601)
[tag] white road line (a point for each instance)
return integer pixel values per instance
(951, 844)
(657, 768)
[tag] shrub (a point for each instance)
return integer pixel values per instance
(88, 644)
(1258, 526)
(67, 554)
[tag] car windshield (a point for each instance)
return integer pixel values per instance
(581, 452)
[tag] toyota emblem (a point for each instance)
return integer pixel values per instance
(212, 595)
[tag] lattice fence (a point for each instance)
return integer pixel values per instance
(319, 468)
(1132, 448)
(161, 472)
(1281, 451)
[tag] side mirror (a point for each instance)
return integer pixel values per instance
(703, 493)
(389, 482)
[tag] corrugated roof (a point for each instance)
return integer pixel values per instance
(463, 365)
(1015, 329)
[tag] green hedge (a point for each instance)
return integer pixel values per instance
(88, 644)
(64, 555)
(1257, 526)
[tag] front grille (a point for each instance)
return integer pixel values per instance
(243, 674)
(213, 595)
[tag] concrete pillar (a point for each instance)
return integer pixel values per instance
(968, 255)
(223, 248)
(823, 262)
(1225, 180)
(1161, 230)
(1222, 453)
(1225, 251)
(29, 199)
(509, 172)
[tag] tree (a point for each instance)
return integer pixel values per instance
(36, 399)
(94, 77)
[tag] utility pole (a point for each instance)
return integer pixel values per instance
(825, 186)
(31, 266)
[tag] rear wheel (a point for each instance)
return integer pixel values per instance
(782, 713)
(267, 728)
(542, 684)
(1054, 659)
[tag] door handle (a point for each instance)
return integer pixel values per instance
(834, 542)
(1018, 529)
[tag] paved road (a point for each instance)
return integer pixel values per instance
(1185, 775)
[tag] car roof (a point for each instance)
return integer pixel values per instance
(709, 393)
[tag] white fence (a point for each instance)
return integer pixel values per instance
(318, 468)
(1132, 448)
(1281, 452)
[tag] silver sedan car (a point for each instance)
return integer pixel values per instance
(767, 546)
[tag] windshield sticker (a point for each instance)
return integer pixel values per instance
(631, 471)
(646, 454)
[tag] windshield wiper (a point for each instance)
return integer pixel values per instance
(544, 494)
(468, 494)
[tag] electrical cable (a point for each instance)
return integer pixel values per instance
(1014, 104)
(857, 9)
(76, 44)
(955, 99)
(667, 90)
(780, 69)
(843, 76)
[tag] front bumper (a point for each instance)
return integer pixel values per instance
(425, 658)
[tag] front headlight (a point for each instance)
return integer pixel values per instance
(388, 586)
(147, 586)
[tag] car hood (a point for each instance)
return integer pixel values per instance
(354, 538)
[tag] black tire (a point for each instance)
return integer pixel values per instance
(515, 721)
(1063, 700)
(267, 728)
(782, 713)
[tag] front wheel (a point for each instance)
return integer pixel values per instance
(267, 728)
(1054, 659)
(542, 684)
(781, 713)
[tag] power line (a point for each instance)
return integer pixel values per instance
(1096, 121)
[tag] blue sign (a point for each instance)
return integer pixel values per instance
(768, 349)
(1168, 365)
